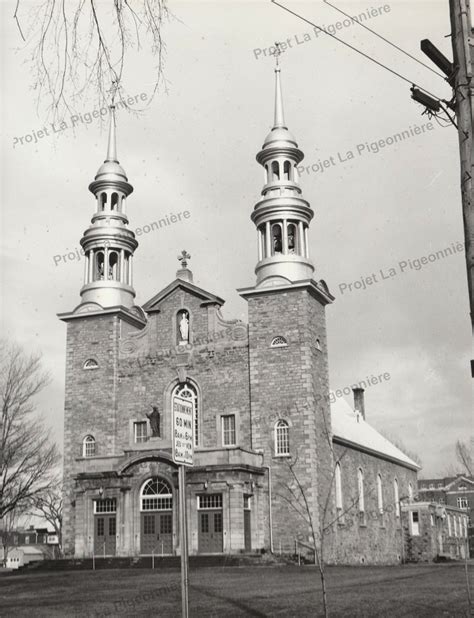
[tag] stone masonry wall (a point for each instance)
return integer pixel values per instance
(374, 538)
(219, 371)
(90, 401)
(283, 382)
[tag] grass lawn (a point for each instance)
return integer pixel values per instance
(427, 590)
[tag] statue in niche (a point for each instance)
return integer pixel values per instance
(155, 421)
(184, 326)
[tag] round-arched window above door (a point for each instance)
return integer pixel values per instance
(156, 495)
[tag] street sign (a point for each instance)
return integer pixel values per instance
(183, 431)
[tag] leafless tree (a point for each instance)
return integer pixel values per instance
(8, 524)
(81, 47)
(27, 457)
(464, 456)
(295, 494)
(395, 440)
(49, 505)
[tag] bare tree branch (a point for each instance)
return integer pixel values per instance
(79, 48)
(27, 457)
(464, 456)
(49, 505)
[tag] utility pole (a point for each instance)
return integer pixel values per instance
(459, 75)
(463, 58)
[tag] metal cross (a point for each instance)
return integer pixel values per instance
(278, 53)
(183, 258)
(113, 91)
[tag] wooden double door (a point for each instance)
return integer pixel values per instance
(105, 535)
(157, 532)
(210, 531)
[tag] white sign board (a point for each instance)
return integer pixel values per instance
(183, 431)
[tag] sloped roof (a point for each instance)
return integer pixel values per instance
(206, 297)
(459, 480)
(349, 427)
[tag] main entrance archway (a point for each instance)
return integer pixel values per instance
(156, 517)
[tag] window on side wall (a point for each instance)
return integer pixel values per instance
(228, 430)
(89, 446)
(282, 438)
(415, 523)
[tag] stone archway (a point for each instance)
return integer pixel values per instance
(161, 522)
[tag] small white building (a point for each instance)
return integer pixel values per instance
(23, 554)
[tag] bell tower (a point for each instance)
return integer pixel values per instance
(288, 368)
(108, 243)
(282, 216)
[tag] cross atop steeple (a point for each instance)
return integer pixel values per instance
(183, 258)
(113, 92)
(278, 53)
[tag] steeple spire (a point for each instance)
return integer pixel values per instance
(112, 145)
(279, 116)
(108, 243)
(282, 216)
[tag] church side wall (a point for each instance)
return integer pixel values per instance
(373, 538)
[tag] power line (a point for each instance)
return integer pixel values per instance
(357, 50)
(386, 40)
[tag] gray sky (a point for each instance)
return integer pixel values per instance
(193, 148)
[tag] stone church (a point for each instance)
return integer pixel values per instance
(275, 466)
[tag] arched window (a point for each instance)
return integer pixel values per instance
(114, 201)
(286, 170)
(279, 342)
(126, 270)
(282, 438)
(91, 364)
(99, 266)
(262, 247)
(317, 345)
(275, 170)
(156, 495)
(360, 490)
(276, 238)
(379, 494)
(103, 200)
(88, 446)
(113, 265)
(410, 491)
(292, 239)
(188, 391)
(338, 480)
(396, 497)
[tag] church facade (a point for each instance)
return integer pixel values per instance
(275, 466)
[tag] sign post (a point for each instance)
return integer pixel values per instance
(183, 454)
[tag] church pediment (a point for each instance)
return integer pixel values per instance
(206, 298)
